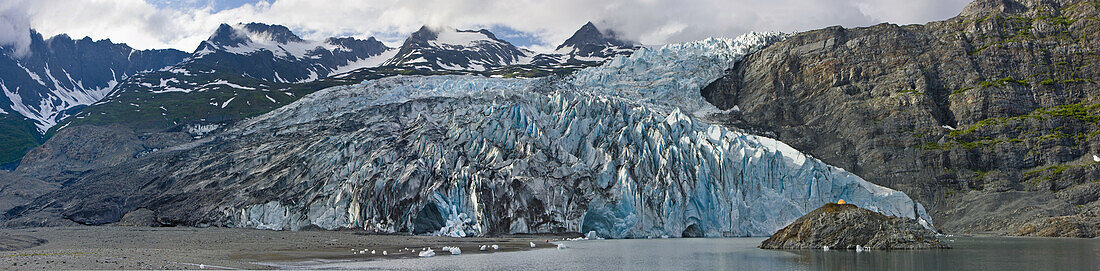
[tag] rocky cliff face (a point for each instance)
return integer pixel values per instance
(989, 118)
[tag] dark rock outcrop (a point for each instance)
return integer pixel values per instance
(17, 189)
(845, 226)
(1063, 226)
(9, 242)
(991, 119)
(79, 149)
(141, 217)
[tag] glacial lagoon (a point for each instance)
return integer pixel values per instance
(969, 253)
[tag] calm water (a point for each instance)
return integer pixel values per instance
(969, 253)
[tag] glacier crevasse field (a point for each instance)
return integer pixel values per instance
(621, 149)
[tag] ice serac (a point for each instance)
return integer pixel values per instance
(620, 149)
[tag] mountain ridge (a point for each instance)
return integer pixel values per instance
(59, 76)
(453, 49)
(264, 64)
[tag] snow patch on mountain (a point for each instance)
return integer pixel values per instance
(451, 37)
(227, 83)
(60, 97)
(226, 103)
(249, 42)
(369, 62)
(33, 75)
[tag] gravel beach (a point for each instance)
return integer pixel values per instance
(120, 247)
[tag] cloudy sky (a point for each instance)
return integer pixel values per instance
(181, 24)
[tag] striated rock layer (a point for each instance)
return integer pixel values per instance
(991, 118)
(619, 149)
(845, 226)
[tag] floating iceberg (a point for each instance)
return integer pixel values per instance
(621, 150)
(452, 250)
(426, 253)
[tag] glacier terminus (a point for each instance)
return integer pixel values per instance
(622, 149)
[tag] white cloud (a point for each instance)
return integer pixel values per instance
(14, 22)
(143, 25)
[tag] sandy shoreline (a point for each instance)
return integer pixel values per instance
(117, 247)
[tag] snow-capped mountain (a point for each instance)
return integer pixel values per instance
(448, 49)
(588, 45)
(451, 49)
(239, 71)
(249, 69)
(275, 54)
(58, 76)
(589, 41)
(622, 149)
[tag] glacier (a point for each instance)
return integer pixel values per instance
(621, 149)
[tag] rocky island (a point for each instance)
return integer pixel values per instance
(845, 226)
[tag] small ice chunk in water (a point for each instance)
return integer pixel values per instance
(591, 235)
(384, 253)
(859, 248)
(532, 244)
(372, 252)
(427, 253)
(452, 250)
(495, 247)
(825, 248)
(483, 247)
(561, 246)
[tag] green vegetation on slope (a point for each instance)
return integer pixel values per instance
(17, 135)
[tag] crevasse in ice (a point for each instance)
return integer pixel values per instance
(618, 149)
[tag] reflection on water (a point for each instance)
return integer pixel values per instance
(985, 253)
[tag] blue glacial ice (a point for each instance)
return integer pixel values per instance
(621, 149)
